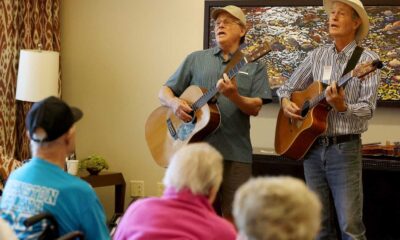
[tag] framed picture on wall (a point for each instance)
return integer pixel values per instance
(293, 28)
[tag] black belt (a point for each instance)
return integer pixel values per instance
(326, 141)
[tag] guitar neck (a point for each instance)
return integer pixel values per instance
(342, 82)
(213, 91)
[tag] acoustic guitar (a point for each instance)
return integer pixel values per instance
(293, 138)
(166, 133)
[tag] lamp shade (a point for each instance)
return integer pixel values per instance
(37, 75)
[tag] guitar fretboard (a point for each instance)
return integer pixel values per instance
(213, 91)
(342, 81)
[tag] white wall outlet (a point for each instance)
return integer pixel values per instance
(137, 188)
(160, 189)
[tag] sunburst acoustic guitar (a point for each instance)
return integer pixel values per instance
(293, 138)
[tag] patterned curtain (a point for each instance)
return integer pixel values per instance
(24, 24)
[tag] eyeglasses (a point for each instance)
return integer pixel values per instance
(226, 22)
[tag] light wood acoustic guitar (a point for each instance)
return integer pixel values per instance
(293, 138)
(166, 133)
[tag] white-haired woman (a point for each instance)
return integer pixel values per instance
(192, 181)
(278, 208)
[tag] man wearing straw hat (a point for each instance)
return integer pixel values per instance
(333, 163)
(239, 99)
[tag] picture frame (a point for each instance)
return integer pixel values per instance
(294, 28)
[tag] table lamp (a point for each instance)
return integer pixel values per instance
(38, 75)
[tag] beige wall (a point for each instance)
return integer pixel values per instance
(116, 55)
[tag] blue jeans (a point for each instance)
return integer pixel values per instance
(337, 169)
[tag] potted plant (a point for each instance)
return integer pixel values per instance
(93, 164)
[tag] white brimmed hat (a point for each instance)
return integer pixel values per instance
(232, 10)
(359, 8)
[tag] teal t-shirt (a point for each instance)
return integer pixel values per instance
(40, 186)
(204, 69)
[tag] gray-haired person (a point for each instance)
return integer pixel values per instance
(332, 165)
(239, 99)
(276, 208)
(184, 211)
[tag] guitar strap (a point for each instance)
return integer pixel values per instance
(351, 64)
(235, 59)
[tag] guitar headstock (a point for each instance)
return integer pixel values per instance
(260, 51)
(363, 69)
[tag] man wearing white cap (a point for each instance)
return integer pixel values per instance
(333, 163)
(239, 99)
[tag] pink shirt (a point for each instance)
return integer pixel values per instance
(177, 215)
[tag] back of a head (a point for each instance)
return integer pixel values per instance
(196, 166)
(52, 115)
(48, 120)
(279, 208)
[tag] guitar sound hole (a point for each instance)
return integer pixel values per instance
(193, 115)
(305, 108)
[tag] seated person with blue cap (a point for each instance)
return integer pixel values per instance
(42, 185)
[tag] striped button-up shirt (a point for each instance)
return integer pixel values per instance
(360, 95)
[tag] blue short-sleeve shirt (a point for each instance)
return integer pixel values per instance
(204, 69)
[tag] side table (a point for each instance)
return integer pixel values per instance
(106, 178)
